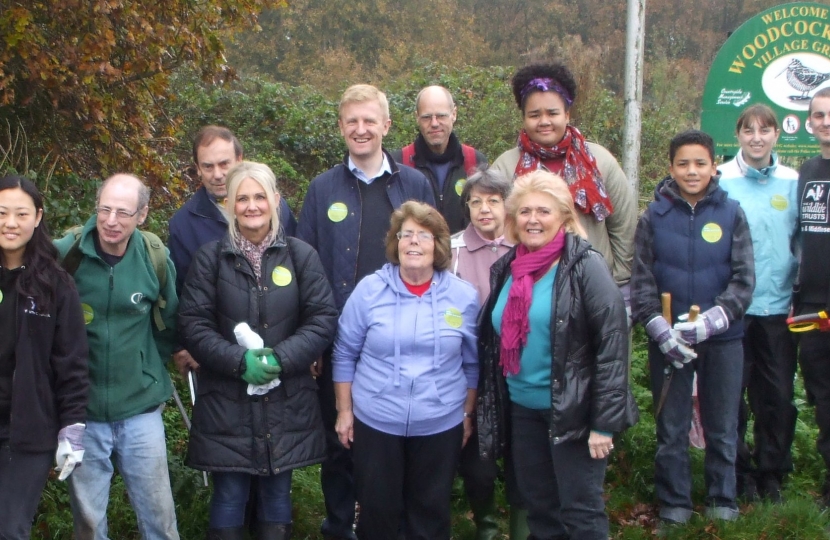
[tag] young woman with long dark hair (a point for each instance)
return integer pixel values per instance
(43, 359)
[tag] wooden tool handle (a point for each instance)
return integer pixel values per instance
(665, 301)
(694, 311)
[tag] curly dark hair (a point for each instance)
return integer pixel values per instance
(556, 71)
(41, 256)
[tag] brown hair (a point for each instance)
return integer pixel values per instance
(822, 93)
(758, 112)
(208, 134)
(427, 217)
(550, 184)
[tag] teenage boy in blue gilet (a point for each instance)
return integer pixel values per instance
(694, 243)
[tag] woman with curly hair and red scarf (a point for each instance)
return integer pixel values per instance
(604, 200)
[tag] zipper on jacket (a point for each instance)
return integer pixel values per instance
(691, 251)
(107, 334)
(359, 229)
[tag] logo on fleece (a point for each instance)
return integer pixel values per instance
(711, 232)
(88, 313)
(281, 276)
(337, 212)
(453, 317)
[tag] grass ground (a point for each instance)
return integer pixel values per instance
(629, 489)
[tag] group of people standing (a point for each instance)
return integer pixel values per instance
(425, 316)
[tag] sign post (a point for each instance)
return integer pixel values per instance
(780, 57)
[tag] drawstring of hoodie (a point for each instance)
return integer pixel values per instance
(396, 367)
(436, 350)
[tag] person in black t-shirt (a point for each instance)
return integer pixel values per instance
(812, 290)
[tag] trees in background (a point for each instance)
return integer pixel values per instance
(86, 81)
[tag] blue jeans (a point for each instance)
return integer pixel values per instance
(230, 496)
(136, 446)
(719, 367)
(560, 483)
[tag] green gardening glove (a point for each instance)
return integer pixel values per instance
(256, 371)
(270, 357)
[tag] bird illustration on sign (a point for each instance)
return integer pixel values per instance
(802, 78)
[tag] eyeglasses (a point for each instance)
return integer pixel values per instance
(438, 116)
(423, 236)
(119, 212)
(492, 202)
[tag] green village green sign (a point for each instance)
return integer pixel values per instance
(780, 57)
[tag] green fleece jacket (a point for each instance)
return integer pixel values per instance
(127, 353)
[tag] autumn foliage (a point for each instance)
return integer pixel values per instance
(87, 80)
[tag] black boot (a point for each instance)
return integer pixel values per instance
(233, 533)
(273, 531)
(484, 516)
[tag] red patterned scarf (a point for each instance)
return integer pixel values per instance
(527, 268)
(580, 170)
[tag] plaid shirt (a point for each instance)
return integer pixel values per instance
(645, 296)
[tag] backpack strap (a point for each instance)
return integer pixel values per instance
(158, 258)
(72, 259)
(408, 155)
(469, 158)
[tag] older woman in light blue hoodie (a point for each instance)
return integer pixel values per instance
(405, 371)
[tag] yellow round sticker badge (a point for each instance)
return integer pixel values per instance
(88, 314)
(459, 186)
(337, 212)
(281, 276)
(1, 297)
(779, 202)
(711, 232)
(453, 317)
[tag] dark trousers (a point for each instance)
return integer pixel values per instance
(815, 368)
(479, 474)
(719, 367)
(560, 483)
(770, 354)
(404, 481)
(336, 477)
(22, 477)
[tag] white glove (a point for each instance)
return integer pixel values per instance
(711, 322)
(70, 451)
(672, 345)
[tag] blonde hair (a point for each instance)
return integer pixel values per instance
(550, 184)
(262, 175)
(428, 218)
(361, 93)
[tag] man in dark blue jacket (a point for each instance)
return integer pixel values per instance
(201, 220)
(345, 217)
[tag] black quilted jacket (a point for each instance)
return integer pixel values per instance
(282, 429)
(589, 343)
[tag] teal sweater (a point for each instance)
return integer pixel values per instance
(127, 353)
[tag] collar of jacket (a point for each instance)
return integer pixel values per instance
(667, 194)
(227, 247)
(756, 174)
(204, 206)
(473, 241)
(423, 153)
(392, 164)
(575, 248)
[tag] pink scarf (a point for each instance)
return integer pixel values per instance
(527, 268)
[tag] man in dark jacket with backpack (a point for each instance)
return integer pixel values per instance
(129, 307)
(439, 155)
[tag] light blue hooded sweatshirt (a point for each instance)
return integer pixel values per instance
(768, 198)
(405, 382)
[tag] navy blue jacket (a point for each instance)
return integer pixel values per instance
(702, 255)
(200, 221)
(332, 214)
